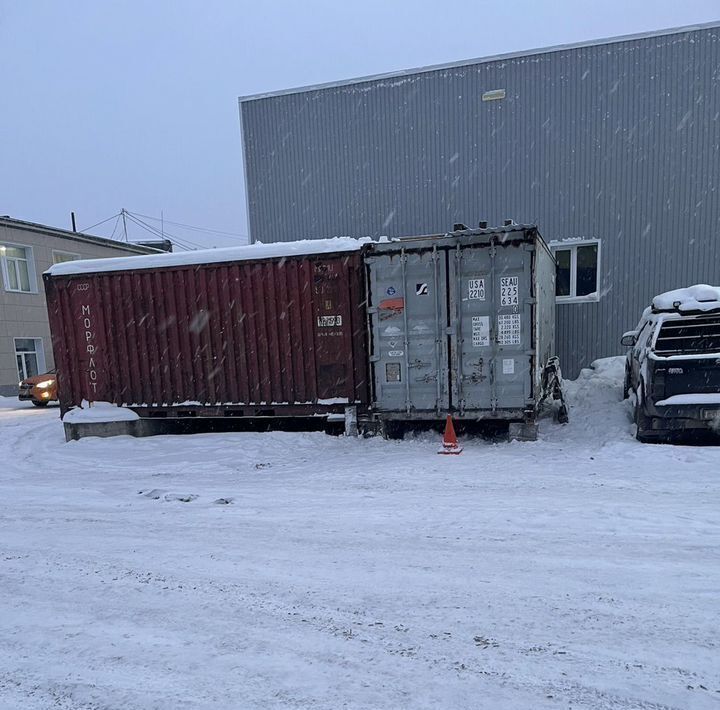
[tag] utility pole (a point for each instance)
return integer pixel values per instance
(122, 212)
(72, 217)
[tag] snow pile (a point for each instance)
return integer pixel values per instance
(249, 252)
(700, 297)
(597, 411)
(99, 412)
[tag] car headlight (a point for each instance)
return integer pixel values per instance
(45, 384)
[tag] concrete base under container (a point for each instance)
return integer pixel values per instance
(388, 427)
(494, 429)
(199, 425)
(522, 431)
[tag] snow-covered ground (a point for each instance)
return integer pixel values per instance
(289, 570)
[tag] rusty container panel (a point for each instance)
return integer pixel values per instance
(287, 332)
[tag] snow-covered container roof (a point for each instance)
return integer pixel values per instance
(250, 252)
(700, 297)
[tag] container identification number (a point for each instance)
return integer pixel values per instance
(329, 321)
(476, 289)
(509, 291)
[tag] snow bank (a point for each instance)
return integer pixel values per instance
(598, 413)
(211, 256)
(99, 412)
(700, 297)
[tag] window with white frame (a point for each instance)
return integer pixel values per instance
(60, 257)
(18, 269)
(30, 357)
(578, 270)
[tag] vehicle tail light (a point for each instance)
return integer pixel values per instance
(658, 385)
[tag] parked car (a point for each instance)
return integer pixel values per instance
(673, 368)
(39, 389)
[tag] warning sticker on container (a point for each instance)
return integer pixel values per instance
(509, 329)
(480, 331)
(391, 307)
(392, 372)
(476, 289)
(509, 291)
(329, 321)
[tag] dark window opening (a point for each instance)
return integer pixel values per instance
(562, 282)
(587, 262)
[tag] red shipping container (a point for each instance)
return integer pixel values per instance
(243, 333)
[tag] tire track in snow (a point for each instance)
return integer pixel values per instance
(369, 638)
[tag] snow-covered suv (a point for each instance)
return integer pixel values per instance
(673, 368)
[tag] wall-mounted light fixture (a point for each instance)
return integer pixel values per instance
(494, 95)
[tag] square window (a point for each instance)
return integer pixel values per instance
(578, 270)
(29, 356)
(17, 268)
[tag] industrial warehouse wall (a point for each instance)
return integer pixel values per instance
(617, 141)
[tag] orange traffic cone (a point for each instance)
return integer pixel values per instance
(450, 443)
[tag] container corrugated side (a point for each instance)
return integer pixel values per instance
(286, 332)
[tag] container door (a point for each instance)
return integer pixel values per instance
(408, 311)
(491, 349)
(333, 329)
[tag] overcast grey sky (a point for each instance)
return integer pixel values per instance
(108, 104)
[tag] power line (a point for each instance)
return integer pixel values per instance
(193, 227)
(185, 243)
(156, 233)
(164, 235)
(87, 229)
(117, 222)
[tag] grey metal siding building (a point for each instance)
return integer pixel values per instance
(614, 144)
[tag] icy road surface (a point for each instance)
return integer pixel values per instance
(304, 571)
